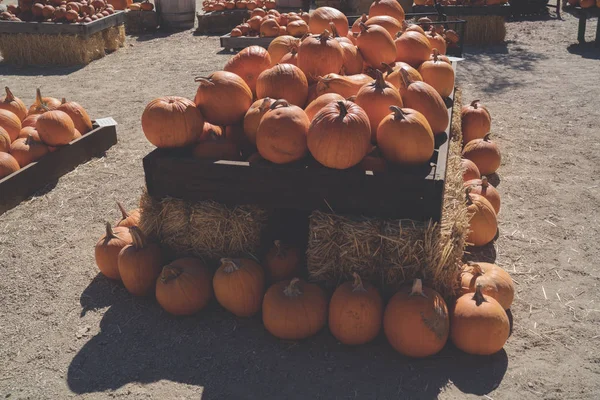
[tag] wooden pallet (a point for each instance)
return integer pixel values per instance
(499, 10)
(235, 43)
(22, 184)
(220, 22)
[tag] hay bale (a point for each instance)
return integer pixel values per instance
(114, 37)
(484, 29)
(391, 252)
(205, 229)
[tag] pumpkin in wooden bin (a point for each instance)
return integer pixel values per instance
(483, 223)
(412, 48)
(340, 135)
(436, 41)
(353, 59)
(297, 28)
(253, 116)
(11, 124)
(416, 321)
(140, 264)
(281, 46)
(108, 248)
(239, 285)
(387, 7)
(484, 188)
(355, 312)
(282, 261)
(394, 76)
(476, 121)
(172, 121)
(319, 55)
(390, 24)
(248, 64)
(128, 218)
(4, 141)
(8, 165)
(55, 128)
(317, 104)
(290, 58)
(281, 135)
(321, 18)
(294, 310)
(43, 104)
(495, 282)
(470, 170)
(13, 104)
(80, 117)
(345, 86)
(27, 150)
(376, 45)
(424, 98)
(269, 28)
(484, 153)
(223, 98)
(215, 145)
(438, 74)
(479, 324)
(283, 81)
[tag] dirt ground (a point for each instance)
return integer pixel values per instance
(65, 331)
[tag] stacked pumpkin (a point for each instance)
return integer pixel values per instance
(83, 11)
(26, 135)
(209, 6)
(272, 23)
(584, 3)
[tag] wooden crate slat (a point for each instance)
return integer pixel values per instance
(58, 28)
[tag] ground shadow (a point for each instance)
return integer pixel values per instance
(485, 253)
(589, 50)
(7, 69)
(235, 358)
(156, 35)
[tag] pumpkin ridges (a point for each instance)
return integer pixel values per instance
(283, 81)
(317, 104)
(55, 128)
(13, 104)
(249, 281)
(248, 64)
(476, 121)
(280, 46)
(438, 74)
(171, 121)
(484, 188)
(253, 116)
(11, 123)
(483, 223)
(484, 153)
(345, 86)
(219, 89)
(494, 281)
(470, 170)
(319, 55)
(376, 45)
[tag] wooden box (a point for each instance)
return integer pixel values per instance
(57, 28)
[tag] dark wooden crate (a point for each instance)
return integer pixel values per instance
(220, 22)
(500, 10)
(19, 186)
(240, 42)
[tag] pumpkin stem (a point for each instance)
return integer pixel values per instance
(380, 82)
(398, 113)
(334, 31)
(38, 96)
(484, 183)
(124, 212)
(357, 286)
(436, 53)
(138, 238)
(169, 273)
(264, 105)
(203, 79)
(292, 290)
(475, 268)
(406, 81)
(475, 103)
(230, 265)
(9, 96)
(29, 140)
(468, 194)
(281, 252)
(324, 35)
(109, 232)
(486, 138)
(280, 102)
(363, 27)
(294, 51)
(343, 109)
(417, 288)
(478, 296)
(63, 101)
(388, 68)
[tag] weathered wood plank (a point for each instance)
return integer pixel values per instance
(54, 28)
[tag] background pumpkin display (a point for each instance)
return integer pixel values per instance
(61, 12)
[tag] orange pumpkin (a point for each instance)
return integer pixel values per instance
(438, 74)
(353, 59)
(55, 128)
(78, 115)
(140, 264)
(184, 287)
(294, 309)
(8, 165)
(355, 312)
(390, 24)
(479, 324)
(108, 248)
(416, 321)
(43, 104)
(283, 81)
(436, 54)
(290, 58)
(128, 218)
(412, 48)
(252, 118)
(27, 150)
(248, 64)
(376, 45)
(4, 141)
(387, 7)
(30, 121)
(394, 76)
(120, 4)
(280, 46)
(223, 98)
(494, 281)
(11, 124)
(470, 170)
(282, 261)
(239, 285)
(476, 121)
(483, 188)
(319, 55)
(171, 121)
(297, 28)
(269, 28)
(255, 22)
(345, 86)
(322, 16)
(484, 153)
(13, 104)
(340, 135)
(317, 104)
(483, 223)
(214, 145)
(436, 41)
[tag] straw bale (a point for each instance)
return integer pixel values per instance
(484, 29)
(114, 37)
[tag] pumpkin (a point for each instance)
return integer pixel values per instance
(339, 135)
(78, 115)
(435, 54)
(223, 98)
(376, 98)
(147, 6)
(416, 321)
(239, 285)
(13, 104)
(322, 16)
(171, 121)
(424, 98)
(412, 48)
(356, 25)
(282, 261)
(11, 123)
(394, 76)
(484, 153)
(251, 5)
(438, 74)
(255, 22)
(214, 145)
(494, 281)
(483, 223)
(355, 312)
(476, 121)
(470, 170)
(319, 55)
(280, 46)
(281, 135)
(27, 150)
(290, 58)
(405, 137)
(387, 7)
(436, 41)
(269, 28)
(376, 45)
(128, 218)
(108, 248)
(353, 59)
(248, 64)
(8, 165)
(184, 287)
(294, 309)
(317, 104)
(390, 24)
(29, 131)
(451, 36)
(412, 27)
(55, 128)
(297, 28)
(483, 188)
(373, 164)
(587, 3)
(244, 28)
(345, 86)
(140, 264)
(235, 32)
(43, 104)
(4, 141)
(479, 324)
(30, 121)
(253, 117)
(283, 81)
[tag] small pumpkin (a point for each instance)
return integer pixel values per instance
(390, 24)
(290, 58)
(436, 54)
(108, 248)
(412, 48)
(436, 41)
(294, 309)
(55, 128)
(355, 312)
(494, 281)
(30, 121)
(184, 286)
(11, 123)
(235, 32)
(317, 104)
(319, 55)
(283, 81)
(252, 118)
(438, 74)
(282, 261)
(171, 121)
(215, 145)
(43, 104)
(140, 264)
(128, 218)
(281, 135)
(416, 321)
(394, 76)
(255, 22)
(4, 141)
(249, 64)
(297, 28)
(27, 150)
(376, 45)
(78, 115)
(387, 7)
(8, 165)
(223, 98)
(476, 121)
(13, 104)
(483, 223)
(345, 86)
(353, 59)
(483, 188)
(280, 46)
(269, 28)
(321, 18)
(479, 324)
(239, 285)
(470, 170)
(484, 153)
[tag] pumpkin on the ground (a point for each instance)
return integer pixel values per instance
(184, 286)
(495, 282)
(470, 170)
(483, 223)
(282, 261)
(140, 264)
(108, 248)
(484, 188)
(239, 285)
(484, 153)
(128, 218)
(476, 121)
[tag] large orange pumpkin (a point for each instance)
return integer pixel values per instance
(11, 124)
(322, 16)
(140, 264)
(376, 98)
(376, 45)
(27, 150)
(248, 64)
(438, 74)
(80, 117)
(390, 8)
(476, 121)
(405, 137)
(297, 28)
(416, 321)
(108, 248)
(355, 312)
(239, 285)
(55, 128)
(223, 98)
(294, 309)
(283, 81)
(8, 165)
(483, 223)
(436, 41)
(317, 104)
(13, 104)
(484, 153)
(43, 104)
(412, 48)
(172, 121)
(390, 24)
(319, 55)
(345, 86)
(252, 118)
(280, 46)
(353, 59)
(479, 324)
(494, 281)
(483, 188)
(470, 170)
(282, 261)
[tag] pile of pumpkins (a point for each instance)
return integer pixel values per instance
(461, 2)
(373, 102)
(26, 135)
(83, 11)
(584, 3)
(416, 320)
(209, 6)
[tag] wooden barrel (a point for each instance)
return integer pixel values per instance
(176, 14)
